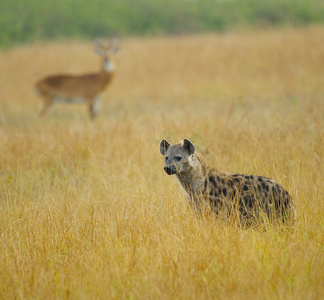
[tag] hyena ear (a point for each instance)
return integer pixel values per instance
(187, 145)
(164, 146)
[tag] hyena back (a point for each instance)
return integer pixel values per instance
(248, 196)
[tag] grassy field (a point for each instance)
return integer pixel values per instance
(86, 211)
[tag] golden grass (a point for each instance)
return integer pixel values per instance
(86, 210)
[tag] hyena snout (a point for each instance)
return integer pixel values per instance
(170, 169)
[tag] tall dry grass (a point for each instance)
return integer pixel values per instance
(86, 211)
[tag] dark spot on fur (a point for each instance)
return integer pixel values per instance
(205, 183)
(212, 180)
(252, 177)
(274, 190)
(230, 183)
(278, 203)
(211, 193)
(286, 201)
(223, 181)
(218, 179)
(260, 179)
(216, 203)
(245, 187)
(248, 200)
(237, 180)
(264, 185)
(224, 192)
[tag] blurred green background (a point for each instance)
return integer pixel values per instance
(24, 21)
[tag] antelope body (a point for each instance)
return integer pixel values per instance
(82, 88)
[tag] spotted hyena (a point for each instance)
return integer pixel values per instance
(247, 196)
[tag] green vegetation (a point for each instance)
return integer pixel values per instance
(25, 21)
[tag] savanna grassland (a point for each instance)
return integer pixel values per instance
(86, 211)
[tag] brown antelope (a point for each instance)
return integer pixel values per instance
(79, 88)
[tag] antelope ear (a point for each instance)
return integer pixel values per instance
(113, 50)
(100, 52)
(187, 145)
(164, 146)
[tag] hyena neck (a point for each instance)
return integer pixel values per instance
(193, 179)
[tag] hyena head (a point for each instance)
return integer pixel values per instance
(177, 157)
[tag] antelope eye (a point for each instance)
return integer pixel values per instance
(177, 158)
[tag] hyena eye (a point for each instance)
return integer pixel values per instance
(177, 158)
(166, 158)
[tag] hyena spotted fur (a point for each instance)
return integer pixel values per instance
(247, 196)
